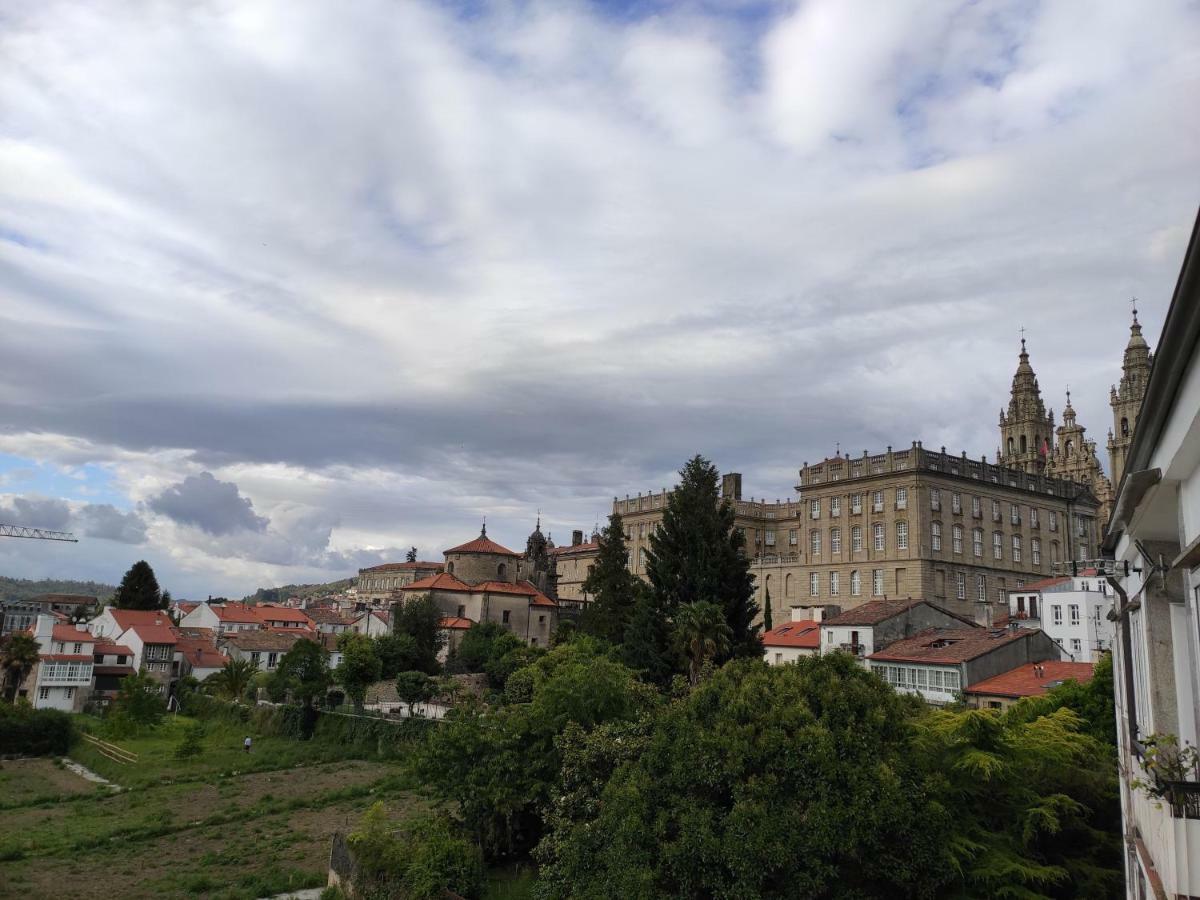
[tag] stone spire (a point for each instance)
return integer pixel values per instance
(1074, 456)
(1026, 428)
(1126, 399)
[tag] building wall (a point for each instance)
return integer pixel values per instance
(778, 656)
(573, 569)
(534, 624)
(474, 568)
(374, 585)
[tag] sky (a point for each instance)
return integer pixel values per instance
(286, 288)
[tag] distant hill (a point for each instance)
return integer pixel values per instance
(278, 594)
(23, 588)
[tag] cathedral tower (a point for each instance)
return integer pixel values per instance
(1027, 429)
(1126, 400)
(1074, 456)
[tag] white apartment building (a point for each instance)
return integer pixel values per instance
(62, 678)
(1072, 610)
(1155, 538)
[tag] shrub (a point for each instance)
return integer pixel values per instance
(26, 731)
(192, 742)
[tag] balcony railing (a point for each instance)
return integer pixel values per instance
(1183, 797)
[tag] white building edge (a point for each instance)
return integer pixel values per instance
(1155, 531)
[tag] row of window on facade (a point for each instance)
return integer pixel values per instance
(932, 678)
(879, 586)
(879, 541)
(935, 504)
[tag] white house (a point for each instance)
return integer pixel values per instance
(154, 651)
(1073, 610)
(223, 618)
(799, 637)
(111, 623)
(62, 678)
(372, 623)
(1154, 535)
(262, 648)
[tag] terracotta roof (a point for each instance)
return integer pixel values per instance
(70, 634)
(523, 588)
(794, 634)
(261, 640)
(951, 645)
(272, 613)
(155, 634)
(403, 567)
(876, 611)
(482, 544)
(1032, 679)
(186, 606)
(456, 622)
(1039, 585)
(323, 615)
(127, 618)
(66, 657)
(440, 582)
(590, 547)
(103, 648)
(237, 612)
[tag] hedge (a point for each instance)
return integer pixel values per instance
(25, 731)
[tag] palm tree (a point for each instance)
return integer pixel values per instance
(20, 656)
(233, 679)
(701, 632)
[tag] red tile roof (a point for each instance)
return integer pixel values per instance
(237, 612)
(272, 613)
(522, 588)
(103, 648)
(456, 622)
(439, 582)
(323, 615)
(261, 640)
(482, 544)
(1040, 585)
(1032, 679)
(156, 634)
(876, 611)
(127, 618)
(794, 634)
(402, 567)
(951, 645)
(70, 634)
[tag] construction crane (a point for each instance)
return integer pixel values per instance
(37, 534)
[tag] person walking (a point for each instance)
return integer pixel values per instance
(246, 744)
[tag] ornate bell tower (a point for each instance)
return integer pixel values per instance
(1126, 399)
(1026, 430)
(1074, 456)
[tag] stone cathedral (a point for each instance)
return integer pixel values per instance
(1029, 440)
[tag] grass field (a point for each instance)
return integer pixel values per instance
(224, 824)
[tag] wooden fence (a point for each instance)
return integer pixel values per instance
(111, 751)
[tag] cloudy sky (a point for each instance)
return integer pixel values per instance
(285, 286)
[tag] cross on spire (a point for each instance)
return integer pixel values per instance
(1022, 330)
(1133, 304)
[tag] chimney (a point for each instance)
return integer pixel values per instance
(984, 614)
(731, 486)
(576, 537)
(800, 613)
(43, 629)
(817, 614)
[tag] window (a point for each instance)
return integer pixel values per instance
(255, 656)
(1073, 613)
(1053, 520)
(835, 540)
(44, 693)
(779, 659)
(1016, 548)
(77, 649)
(995, 510)
(878, 535)
(935, 535)
(856, 503)
(835, 506)
(814, 542)
(997, 545)
(856, 538)
(814, 584)
(1035, 550)
(835, 583)
(1014, 514)
(271, 659)
(981, 587)
(1033, 517)
(814, 509)
(855, 584)
(935, 499)
(641, 532)
(901, 535)
(504, 617)
(977, 542)
(877, 582)
(1056, 613)
(976, 508)
(956, 502)
(960, 585)
(793, 537)
(956, 538)
(770, 538)
(1081, 526)
(901, 498)
(541, 620)
(462, 611)
(1076, 645)
(877, 501)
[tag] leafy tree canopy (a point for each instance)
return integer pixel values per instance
(613, 589)
(421, 620)
(303, 672)
(359, 669)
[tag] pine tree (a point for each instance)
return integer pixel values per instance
(613, 588)
(411, 555)
(768, 624)
(696, 557)
(139, 589)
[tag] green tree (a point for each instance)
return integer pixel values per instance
(613, 588)
(489, 648)
(303, 672)
(768, 625)
(701, 633)
(20, 655)
(697, 556)
(360, 667)
(421, 620)
(411, 555)
(397, 653)
(139, 704)
(796, 781)
(139, 589)
(232, 680)
(192, 743)
(413, 688)
(1092, 701)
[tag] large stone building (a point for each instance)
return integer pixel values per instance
(928, 524)
(572, 565)
(380, 583)
(485, 582)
